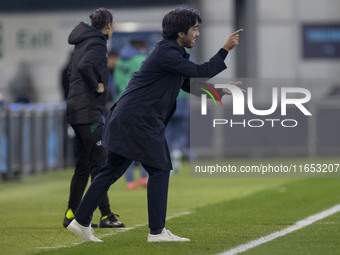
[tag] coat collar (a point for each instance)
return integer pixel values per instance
(174, 42)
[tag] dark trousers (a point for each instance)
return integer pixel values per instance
(90, 156)
(116, 165)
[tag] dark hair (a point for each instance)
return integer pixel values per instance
(100, 18)
(179, 20)
(138, 44)
(112, 53)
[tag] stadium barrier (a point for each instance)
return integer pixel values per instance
(32, 138)
(3, 143)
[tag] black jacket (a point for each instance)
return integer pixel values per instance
(88, 67)
(136, 123)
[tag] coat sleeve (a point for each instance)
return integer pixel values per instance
(172, 60)
(195, 87)
(88, 62)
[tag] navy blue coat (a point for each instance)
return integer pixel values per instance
(136, 123)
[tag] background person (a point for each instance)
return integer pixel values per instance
(85, 104)
(22, 86)
(130, 60)
(112, 58)
(177, 132)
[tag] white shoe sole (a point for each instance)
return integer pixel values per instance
(166, 240)
(75, 229)
(166, 236)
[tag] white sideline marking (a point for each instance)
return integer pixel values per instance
(117, 230)
(300, 224)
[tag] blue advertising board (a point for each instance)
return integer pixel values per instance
(321, 41)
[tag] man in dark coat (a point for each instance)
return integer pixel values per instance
(136, 123)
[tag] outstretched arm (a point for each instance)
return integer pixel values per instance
(173, 61)
(233, 40)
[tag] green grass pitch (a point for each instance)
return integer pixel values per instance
(216, 214)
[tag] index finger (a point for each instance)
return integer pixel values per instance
(237, 32)
(236, 83)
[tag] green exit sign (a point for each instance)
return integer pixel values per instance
(26, 39)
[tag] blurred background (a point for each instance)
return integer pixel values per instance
(282, 39)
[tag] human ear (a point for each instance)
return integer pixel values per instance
(180, 34)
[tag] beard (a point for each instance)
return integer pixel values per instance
(189, 43)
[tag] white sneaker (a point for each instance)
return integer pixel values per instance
(86, 233)
(166, 236)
